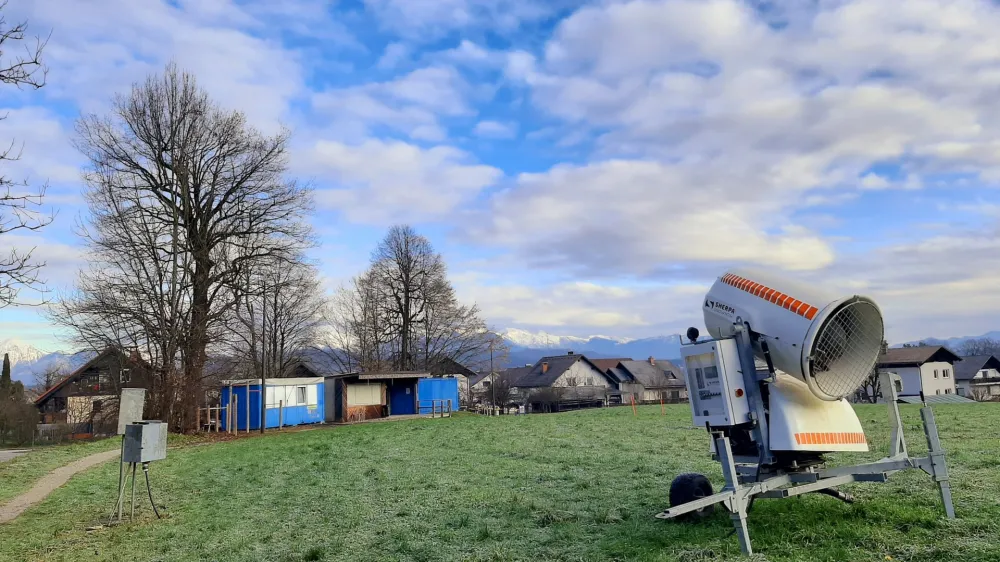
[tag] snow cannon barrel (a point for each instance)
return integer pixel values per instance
(830, 343)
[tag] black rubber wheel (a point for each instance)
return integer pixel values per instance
(689, 487)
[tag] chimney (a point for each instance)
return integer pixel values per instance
(570, 352)
(545, 367)
(652, 361)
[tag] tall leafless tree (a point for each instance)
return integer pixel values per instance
(215, 194)
(402, 313)
(19, 206)
(276, 318)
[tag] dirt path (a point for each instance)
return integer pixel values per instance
(50, 482)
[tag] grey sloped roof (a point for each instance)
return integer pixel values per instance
(653, 376)
(938, 399)
(967, 368)
(619, 375)
(903, 356)
(558, 364)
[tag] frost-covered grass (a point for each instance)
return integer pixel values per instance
(576, 486)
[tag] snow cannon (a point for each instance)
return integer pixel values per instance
(770, 387)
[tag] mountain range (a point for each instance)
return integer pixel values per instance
(527, 347)
(29, 364)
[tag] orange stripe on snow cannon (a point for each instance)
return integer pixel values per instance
(774, 296)
(828, 438)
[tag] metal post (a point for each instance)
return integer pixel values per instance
(737, 505)
(121, 475)
(248, 407)
(750, 382)
(281, 413)
(132, 514)
(897, 444)
(938, 466)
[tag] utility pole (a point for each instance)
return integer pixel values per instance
(493, 374)
(263, 358)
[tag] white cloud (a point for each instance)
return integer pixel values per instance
(411, 104)
(96, 53)
(636, 217)
(716, 127)
(582, 307)
(394, 54)
(472, 55)
(427, 20)
(380, 182)
(42, 141)
(495, 130)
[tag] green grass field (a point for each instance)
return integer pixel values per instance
(576, 486)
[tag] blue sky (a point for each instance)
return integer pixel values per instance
(584, 167)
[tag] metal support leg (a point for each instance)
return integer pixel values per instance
(897, 444)
(939, 468)
(737, 505)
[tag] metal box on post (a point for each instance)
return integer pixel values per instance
(145, 441)
(715, 383)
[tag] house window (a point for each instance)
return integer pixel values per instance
(983, 374)
(946, 373)
(935, 373)
(97, 406)
(938, 391)
(300, 395)
(947, 391)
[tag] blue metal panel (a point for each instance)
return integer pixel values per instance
(402, 399)
(293, 415)
(437, 389)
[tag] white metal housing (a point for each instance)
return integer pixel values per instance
(715, 383)
(829, 343)
(799, 421)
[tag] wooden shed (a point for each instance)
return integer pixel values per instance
(363, 396)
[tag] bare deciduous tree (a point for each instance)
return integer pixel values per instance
(276, 317)
(19, 207)
(213, 192)
(402, 313)
(981, 346)
(871, 389)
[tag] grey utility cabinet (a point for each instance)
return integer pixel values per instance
(145, 441)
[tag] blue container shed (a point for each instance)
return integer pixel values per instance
(290, 401)
(440, 389)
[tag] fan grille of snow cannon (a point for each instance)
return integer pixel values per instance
(846, 348)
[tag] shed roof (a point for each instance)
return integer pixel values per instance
(284, 381)
(969, 366)
(558, 364)
(449, 366)
(915, 356)
(938, 399)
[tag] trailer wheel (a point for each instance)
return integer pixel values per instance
(689, 487)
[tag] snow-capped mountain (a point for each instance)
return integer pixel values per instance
(524, 338)
(19, 351)
(30, 364)
(528, 347)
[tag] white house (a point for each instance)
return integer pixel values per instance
(930, 369)
(563, 382)
(978, 377)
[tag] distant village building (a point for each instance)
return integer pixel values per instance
(85, 402)
(930, 369)
(978, 377)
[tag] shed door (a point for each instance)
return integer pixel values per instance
(402, 400)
